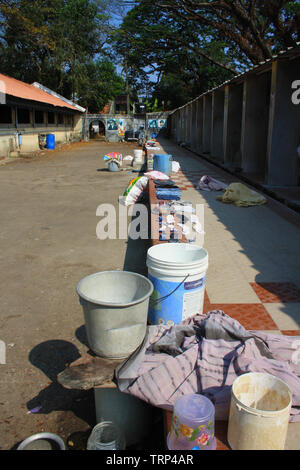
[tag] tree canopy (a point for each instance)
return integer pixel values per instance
(60, 43)
(193, 44)
(169, 50)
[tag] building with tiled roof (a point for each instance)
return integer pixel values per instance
(28, 112)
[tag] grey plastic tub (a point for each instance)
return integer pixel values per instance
(115, 306)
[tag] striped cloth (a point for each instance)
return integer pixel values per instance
(208, 366)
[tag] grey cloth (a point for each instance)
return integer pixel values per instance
(171, 342)
(213, 329)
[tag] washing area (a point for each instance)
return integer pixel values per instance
(157, 354)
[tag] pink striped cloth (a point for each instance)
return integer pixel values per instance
(208, 366)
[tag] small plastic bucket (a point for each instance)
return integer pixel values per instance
(178, 274)
(113, 166)
(259, 412)
(138, 155)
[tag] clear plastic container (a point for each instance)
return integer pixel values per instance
(193, 424)
(106, 436)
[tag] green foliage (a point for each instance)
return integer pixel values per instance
(59, 43)
(98, 83)
(150, 44)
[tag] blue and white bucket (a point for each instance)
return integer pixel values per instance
(178, 274)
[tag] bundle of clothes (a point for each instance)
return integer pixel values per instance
(235, 193)
(205, 354)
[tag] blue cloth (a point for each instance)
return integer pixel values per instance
(168, 194)
(168, 197)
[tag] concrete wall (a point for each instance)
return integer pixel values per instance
(249, 124)
(151, 122)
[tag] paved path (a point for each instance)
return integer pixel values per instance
(254, 255)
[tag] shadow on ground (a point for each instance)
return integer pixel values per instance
(263, 234)
(52, 357)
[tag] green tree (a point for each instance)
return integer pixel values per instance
(256, 28)
(98, 83)
(54, 41)
(160, 53)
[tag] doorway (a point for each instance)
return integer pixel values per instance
(97, 130)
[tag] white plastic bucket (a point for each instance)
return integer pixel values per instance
(138, 155)
(178, 274)
(259, 412)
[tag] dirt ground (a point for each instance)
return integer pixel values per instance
(48, 243)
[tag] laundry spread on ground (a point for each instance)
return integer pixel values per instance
(207, 183)
(242, 196)
(205, 354)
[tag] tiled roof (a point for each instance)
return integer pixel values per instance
(25, 91)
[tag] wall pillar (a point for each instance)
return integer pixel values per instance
(194, 126)
(217, 125)
(199, 136)
(232, 125)
(284, 127)
(255, 117)
(207, 109)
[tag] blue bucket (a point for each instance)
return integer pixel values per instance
(162, 162)
(50, 142)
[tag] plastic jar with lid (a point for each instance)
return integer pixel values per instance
(193, 424)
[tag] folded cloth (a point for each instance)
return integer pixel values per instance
(156, 175)
(207, 183)
(165, 184)
(173, 194)
(211, 359)
(168, 197)
(241, 196)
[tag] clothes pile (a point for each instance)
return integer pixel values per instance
(204, 354)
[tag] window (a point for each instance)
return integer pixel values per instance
(69, 119)
(39, 117)
(5, 114)
(51, 118)
(23, 116)
(60, 118)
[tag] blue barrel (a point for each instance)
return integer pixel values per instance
(162, 162)
(50, 141)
